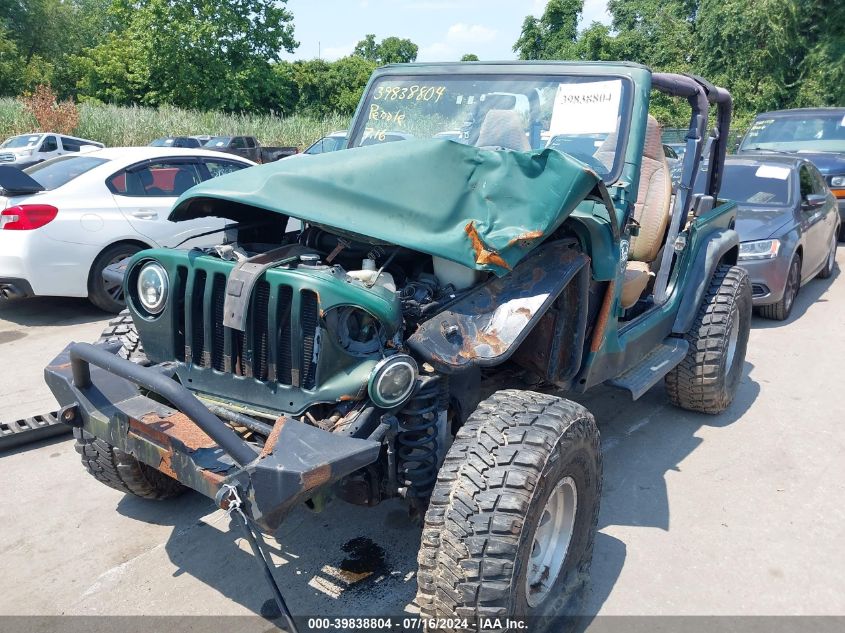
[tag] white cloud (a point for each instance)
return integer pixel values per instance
(461, 33)
(594, 11)
(459, 39)
(333, 53)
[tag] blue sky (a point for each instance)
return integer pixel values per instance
(443, 29)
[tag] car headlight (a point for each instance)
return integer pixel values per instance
(837, 181)
(152, 287)
(393, 380)
(761, 249)
(357, 331)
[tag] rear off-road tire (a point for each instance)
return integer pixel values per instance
(517, 453)
(111, 466)
(707, 379)
(121, 330)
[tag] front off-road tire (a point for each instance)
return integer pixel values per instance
(121, 330)
(707, 379)
(108, 464)
(491, 501)
(111, 466)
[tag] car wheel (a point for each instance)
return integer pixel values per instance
(111, 466)
(510, 528)
(121, 331)
(707, 379)
(780, 311)
(108, 295)
(830, 263)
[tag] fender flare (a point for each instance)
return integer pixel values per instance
(486, 326)
(716, 248)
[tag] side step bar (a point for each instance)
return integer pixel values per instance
(642, 377)
(38, 427)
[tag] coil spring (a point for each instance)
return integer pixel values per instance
(417, 444)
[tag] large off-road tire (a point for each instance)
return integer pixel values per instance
(121, 330)
(121, 471)
(489, 509)
(707, 379)
(781, 310)
(103, 294)
(830, 262)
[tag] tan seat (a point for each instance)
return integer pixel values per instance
(652, 212)
(503, 128)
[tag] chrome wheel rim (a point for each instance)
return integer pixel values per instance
(114, 290)
(551, 541)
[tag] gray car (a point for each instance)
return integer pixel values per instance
(787, 222)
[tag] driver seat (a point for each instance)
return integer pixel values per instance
(503, 128)
(652, 211)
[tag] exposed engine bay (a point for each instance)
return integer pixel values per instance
(424, 284)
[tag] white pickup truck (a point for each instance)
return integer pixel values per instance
(26, 150)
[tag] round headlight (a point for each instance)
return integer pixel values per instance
(152, 287)
(393, 380)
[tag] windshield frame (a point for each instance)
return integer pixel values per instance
(505, 73)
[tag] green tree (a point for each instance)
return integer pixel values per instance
(554, 34)
(391, 50)
(10, 73)
(367, 48)
(321, 88)
(192, 53)
(394, 50)
(469, 57)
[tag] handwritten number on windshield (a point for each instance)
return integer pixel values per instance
(409, 93)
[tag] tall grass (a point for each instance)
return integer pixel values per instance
(118, 126)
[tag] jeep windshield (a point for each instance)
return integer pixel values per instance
(823, 132)
(521, 113)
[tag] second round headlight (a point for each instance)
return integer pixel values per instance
(152, 287)
(393, 380)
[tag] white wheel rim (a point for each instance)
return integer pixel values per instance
(551, 541)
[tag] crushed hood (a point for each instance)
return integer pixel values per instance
(485, 209)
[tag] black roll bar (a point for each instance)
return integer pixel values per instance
(82, 355)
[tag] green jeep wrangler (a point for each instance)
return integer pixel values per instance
(397, 320)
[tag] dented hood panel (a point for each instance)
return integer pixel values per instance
(485, 209)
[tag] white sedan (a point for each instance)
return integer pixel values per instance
(64, 221)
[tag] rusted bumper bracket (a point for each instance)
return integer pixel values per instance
(184, 440)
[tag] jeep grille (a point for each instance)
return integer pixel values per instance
(279, 345)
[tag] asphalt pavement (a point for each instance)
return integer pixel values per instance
(737, 514)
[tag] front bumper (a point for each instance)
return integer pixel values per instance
(98, 391)
(768, 279)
